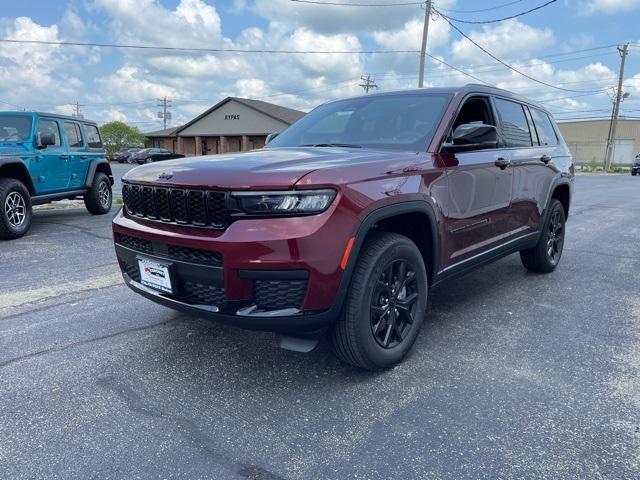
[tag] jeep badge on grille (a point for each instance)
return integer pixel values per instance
(165, 176)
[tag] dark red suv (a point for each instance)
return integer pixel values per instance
(347, 218)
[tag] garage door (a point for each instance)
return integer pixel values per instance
(624, 152)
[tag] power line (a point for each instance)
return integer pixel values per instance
(482, 9)
(476, 22)
(502, 62)
(201, 50)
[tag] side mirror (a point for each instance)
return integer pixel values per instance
(270, 137)
(45, 140)
(472, 136)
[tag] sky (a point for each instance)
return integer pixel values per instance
(569, 44)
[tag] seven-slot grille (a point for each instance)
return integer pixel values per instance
(198, 208)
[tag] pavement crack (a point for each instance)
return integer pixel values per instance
(81, 229)
(68, 346)
(188, 427)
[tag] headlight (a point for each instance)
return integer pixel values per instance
(291, 202)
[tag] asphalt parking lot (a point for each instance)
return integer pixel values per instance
(514, 375)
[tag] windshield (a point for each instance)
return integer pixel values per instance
(404, 122)
(15, 128)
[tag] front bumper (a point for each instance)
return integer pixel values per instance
(280, 274)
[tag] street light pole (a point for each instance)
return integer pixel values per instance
(423, 51)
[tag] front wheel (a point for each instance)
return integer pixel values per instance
(545, 256)
(385, 305)
(16, 213)
(99, 197)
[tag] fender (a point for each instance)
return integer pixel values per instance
(91, 172)
(17, 163)
(560, 180)
(415, 206)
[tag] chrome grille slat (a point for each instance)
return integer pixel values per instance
(188, 207)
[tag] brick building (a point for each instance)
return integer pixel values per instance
(233, 125)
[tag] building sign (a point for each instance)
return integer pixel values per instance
(232, 116)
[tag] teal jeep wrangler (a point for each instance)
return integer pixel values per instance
(46, 157)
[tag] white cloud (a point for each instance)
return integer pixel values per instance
(611, 6)
(508, 39)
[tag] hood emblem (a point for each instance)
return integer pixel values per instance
(165, 176)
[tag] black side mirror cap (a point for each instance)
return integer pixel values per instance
(472, 136)
(45, 140)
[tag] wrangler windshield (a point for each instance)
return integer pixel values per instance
(400, 122)
(15, 128)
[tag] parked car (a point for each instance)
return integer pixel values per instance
(348, 218)
(635, 166)
(46, 157)
(125, 154)
(148, 155)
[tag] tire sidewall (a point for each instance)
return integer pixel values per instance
(555, 205)
(382, 357)
(17, 187)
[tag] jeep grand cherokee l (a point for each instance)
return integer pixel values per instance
(347, 218)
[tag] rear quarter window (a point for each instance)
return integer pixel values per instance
(93, 136)
(546, 132)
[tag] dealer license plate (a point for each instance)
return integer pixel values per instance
(155, 275)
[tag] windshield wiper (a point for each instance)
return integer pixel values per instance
(345, 145)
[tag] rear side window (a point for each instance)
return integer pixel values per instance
(49, 126)
(74, 138)
(546, 132)
(515, 127)
(93, 136)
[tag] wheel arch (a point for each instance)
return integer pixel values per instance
(16, 169)
(98, 166)
(415, 220)
(562, 193)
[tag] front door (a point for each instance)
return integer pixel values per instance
(479, 198)
(53, 160)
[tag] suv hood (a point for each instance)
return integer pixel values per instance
(272, 168)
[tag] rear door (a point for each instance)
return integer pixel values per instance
(53, 161)
(93, 147)
(78, 156)
(527, 164)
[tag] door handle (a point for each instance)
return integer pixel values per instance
(84, 157)
(502, 162)
(64, 157)
(545, 159)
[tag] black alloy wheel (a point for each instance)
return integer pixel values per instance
(393, 304)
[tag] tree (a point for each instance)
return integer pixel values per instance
(118, 135)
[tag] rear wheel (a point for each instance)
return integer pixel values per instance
(15, 213)
(99, 197)
(545, 256)
(385, 305)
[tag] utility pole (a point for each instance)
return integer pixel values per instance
(425, 34)
(77, 113)
(367, 83)
(165, 115)
(611, 140)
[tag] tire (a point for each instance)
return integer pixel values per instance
(371, 333)
(99, 197)
(633, 173)
(545, 256)
(15, 209)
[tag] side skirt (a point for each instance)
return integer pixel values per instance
(465, 266)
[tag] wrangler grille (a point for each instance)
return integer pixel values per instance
(197, 208)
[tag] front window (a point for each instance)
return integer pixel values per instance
(15, 128)
(402, 122)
